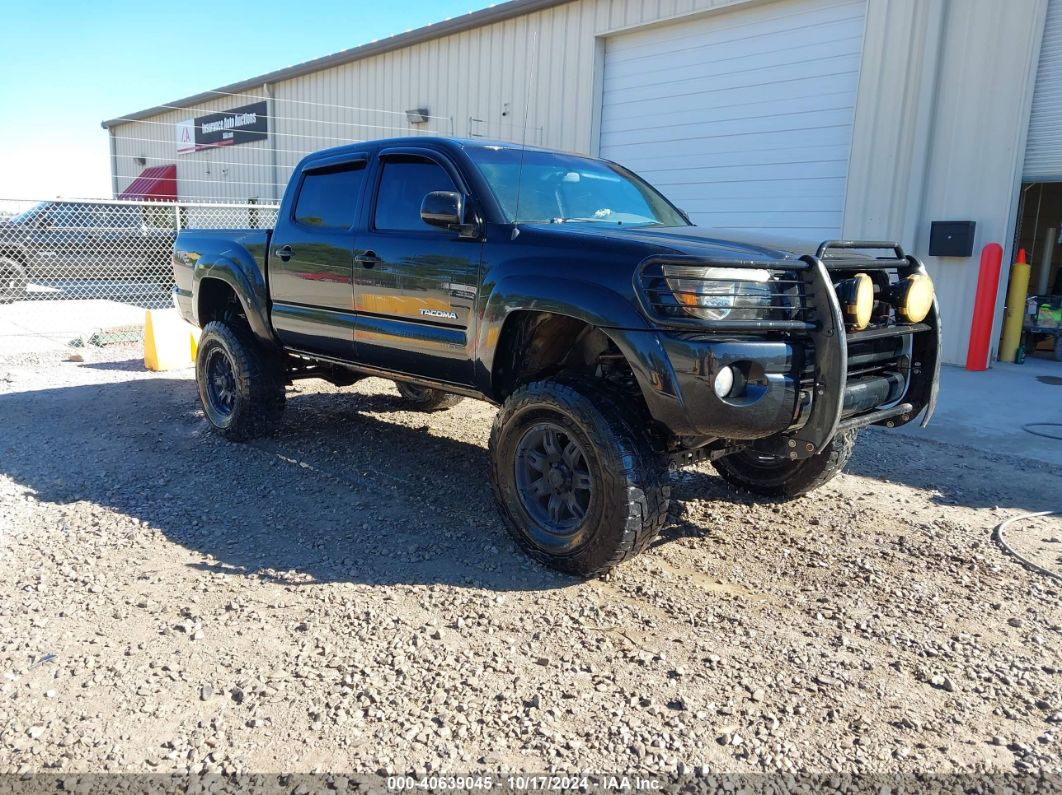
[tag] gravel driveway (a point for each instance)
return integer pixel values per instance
(343, 597)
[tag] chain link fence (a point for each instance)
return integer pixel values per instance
(120, 251)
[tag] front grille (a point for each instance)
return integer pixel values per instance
(871, 376)
(879, 357)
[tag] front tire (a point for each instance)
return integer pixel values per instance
(576, 477)
(13, 281)
(241, 385)
(423, 398)
(774, 476)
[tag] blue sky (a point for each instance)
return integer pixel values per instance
(69, 64)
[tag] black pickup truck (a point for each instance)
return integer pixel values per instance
(617, 338)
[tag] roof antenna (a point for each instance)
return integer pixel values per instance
(523, 134)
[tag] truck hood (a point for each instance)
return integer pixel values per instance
(692, 240)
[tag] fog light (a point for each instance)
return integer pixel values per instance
(724, 381)
(913, 298)
(857, 300)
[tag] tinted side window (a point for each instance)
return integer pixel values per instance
(85, 216)
(327, 198)
(403, 186)
(67, 216)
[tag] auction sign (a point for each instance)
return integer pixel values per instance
(236, 126)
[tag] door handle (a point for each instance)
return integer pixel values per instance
(284, 252)
(368, 259)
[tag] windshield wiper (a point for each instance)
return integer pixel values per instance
(646, 222)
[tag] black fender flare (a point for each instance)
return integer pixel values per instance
(248, 284)
(610, 312)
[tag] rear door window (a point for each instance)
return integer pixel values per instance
(82, 216)
(69, 216)
(327, 198)
(403, 186)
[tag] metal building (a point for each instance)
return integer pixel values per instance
(810, 118)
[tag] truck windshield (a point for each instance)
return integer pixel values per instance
(28, 215)
(557, 188)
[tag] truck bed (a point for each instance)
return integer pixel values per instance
(215, 249)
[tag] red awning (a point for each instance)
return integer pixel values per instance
(157, 182)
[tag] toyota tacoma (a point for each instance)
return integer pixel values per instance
(617, 338)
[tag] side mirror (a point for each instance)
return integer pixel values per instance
(443, 208)
(446, 210)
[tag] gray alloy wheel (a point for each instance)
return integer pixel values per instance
(553, 478)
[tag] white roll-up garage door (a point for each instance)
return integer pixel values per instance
(1043, 150)
(742, 118)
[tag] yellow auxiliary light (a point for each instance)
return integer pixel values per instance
(913, 298)
(857, 300)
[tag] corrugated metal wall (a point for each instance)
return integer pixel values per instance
(229, 173)
(478, 82)
(940, 134)
(977, 140)
(473, 83)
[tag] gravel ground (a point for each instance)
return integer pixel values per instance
(343, 597)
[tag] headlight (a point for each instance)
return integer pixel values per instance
(913, 298)
(721, 293)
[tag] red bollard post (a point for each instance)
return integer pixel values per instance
(984, 307)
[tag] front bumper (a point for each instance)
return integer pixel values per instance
(803, 386)
(768, 405)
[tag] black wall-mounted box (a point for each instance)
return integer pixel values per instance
(951, 238)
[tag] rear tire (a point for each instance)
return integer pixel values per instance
(241, 385)
(773, 476)
(576, 476)
(14, 281)
(424, 398)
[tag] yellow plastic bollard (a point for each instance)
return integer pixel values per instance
(1014, 316)
(169, 342)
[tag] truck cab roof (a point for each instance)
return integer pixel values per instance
(441, 143)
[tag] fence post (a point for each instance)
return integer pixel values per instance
(176, 217)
